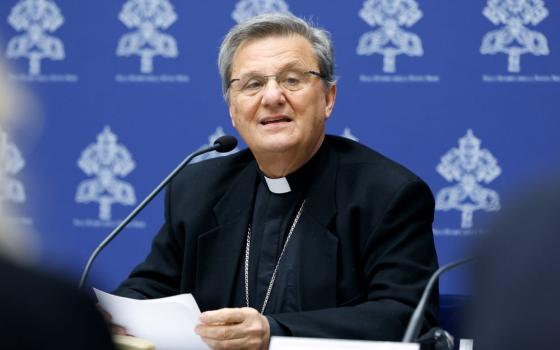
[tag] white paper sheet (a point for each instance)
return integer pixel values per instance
(292, 343)
(167, 322)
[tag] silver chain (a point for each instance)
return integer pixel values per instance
(273, 278)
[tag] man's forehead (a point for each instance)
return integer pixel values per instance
(274, 52)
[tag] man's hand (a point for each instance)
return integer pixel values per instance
(115, 328)
(243, 328)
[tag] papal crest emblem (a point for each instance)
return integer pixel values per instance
(347, 133)
(514, 38)
(36, 19)
(149, 17)
(11, 163)
(211, 139)
(390, 39)
(471, 167)
(246, 9)
(105, 161)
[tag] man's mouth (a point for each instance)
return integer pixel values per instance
(276, 119)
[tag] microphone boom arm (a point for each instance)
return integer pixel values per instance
(413, 327)
(139, 208)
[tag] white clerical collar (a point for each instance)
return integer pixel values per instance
(278, 186)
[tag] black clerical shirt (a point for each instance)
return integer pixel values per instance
(273, 215)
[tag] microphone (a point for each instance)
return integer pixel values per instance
(225, 143)
(413, 327)
(222, 144)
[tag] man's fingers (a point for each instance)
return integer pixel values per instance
(115, 328)
(118, 330)
(231, 344)
(220, 332)
(223, 316)
(243, 328)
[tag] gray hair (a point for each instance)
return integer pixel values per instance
(270, 24)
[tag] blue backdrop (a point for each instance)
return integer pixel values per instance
(465, 93)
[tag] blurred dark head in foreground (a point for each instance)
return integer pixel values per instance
(37, 310)
(517, 276)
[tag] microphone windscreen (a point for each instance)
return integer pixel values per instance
(225, 143)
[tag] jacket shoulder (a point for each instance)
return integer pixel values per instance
(210, 177)
(361, 161)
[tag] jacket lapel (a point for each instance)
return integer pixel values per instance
(220, 249)
(316, 244)
(320, 202)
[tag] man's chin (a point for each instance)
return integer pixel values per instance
(277, 145)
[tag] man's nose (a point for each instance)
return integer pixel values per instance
(272, 92)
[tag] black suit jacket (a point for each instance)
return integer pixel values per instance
(364, 238)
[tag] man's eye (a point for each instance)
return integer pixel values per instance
(253, 84)
(291, 79)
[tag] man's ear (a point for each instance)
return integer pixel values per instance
(231, 113)
(330, 98)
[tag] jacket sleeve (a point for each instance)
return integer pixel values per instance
(398, 259)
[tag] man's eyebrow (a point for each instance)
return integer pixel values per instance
(289, 65)
(292, 64)
(250, 73)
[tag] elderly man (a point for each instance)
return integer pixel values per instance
(302, 234)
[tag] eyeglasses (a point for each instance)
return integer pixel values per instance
(291, 80)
